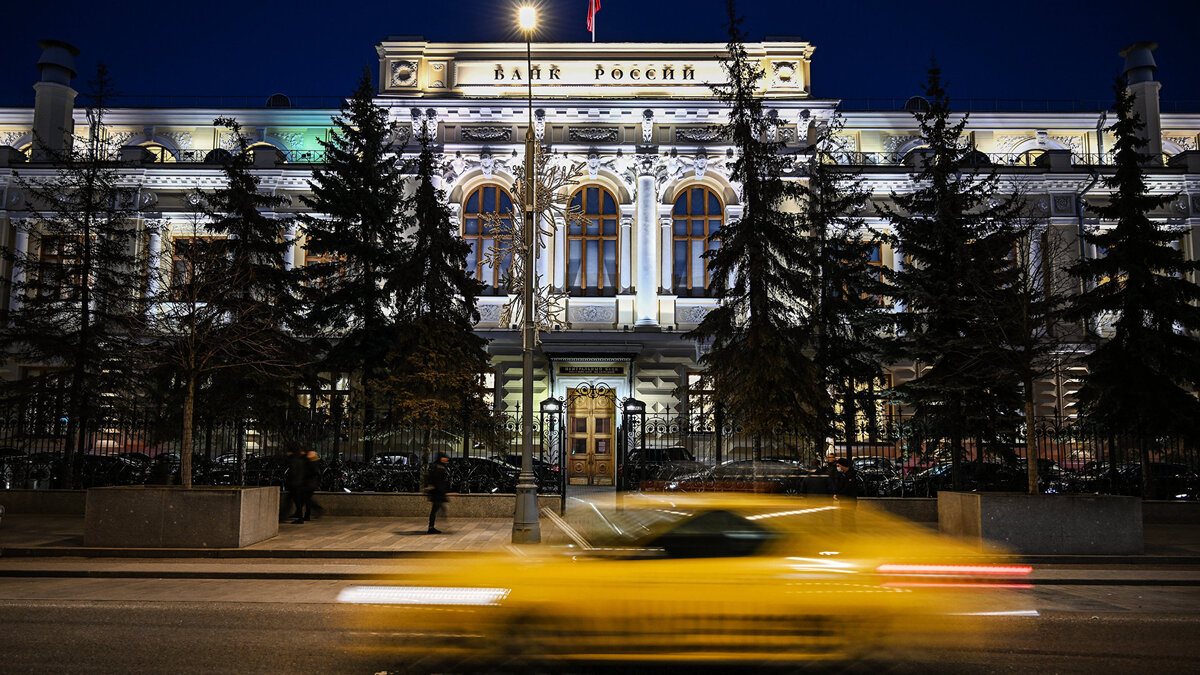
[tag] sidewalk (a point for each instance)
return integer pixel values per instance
(362, 538)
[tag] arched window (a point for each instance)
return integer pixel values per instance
(161, 153)
(592, 247)
(479, 233)
(698, 214)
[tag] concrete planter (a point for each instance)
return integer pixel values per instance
(1044, 524)
(175, 517)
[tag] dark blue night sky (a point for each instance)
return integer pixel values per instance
(1015, 49)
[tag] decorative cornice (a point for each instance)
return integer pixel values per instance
(592, 134)
(487, 133)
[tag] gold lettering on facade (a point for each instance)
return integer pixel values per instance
(535, 73)
(668, 73)
(499, 72)
(617, 73)
(599, 72)
(554, 72)
(635, 74)
(650, 73)
(689, 73)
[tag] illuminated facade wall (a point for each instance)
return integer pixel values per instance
(656, 180)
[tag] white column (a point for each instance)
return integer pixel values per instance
(18, 271)
(560, 253)
(646, 301)
(154, 259)
(668, 254)
(289, 253)
(1038, 273)
(898, 266)
(625, 256)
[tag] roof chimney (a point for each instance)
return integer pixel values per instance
(54, 101)
(1139, 73)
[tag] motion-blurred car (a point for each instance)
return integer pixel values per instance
(714, 579)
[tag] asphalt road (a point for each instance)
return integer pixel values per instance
(242, 626)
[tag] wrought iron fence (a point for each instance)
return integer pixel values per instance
(140, 447)
(894, 456)
(898, 457)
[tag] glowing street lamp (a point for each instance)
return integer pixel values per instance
(525, 520)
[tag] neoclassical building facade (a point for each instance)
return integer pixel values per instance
(655, 180)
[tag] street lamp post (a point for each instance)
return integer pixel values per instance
(525, 520)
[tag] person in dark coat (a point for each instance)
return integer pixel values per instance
(845, 481)
(297, 468)
(309, 486)
(436, 486)
(845, 491)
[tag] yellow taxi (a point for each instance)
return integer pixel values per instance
(705, 579)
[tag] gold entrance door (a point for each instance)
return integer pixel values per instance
(590, 437)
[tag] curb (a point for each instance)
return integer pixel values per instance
(225, 553)
(366, 554)
(375, 576)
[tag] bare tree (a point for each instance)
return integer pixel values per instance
(191, 338)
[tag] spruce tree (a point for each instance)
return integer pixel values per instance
(758, 363)
(955, 236)
(848, 310)
(435, 369)
(1142, 381)
(354, 237)
(77, 298)
(264, 295)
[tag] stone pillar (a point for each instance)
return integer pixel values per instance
(1139, 72)
(898, 266)
(289, 253)
(646, 302)
(1038, 272)
(54, 100)
(668, 263)
(625, 256)
(154, 259)
(20, 250)
(560, 254)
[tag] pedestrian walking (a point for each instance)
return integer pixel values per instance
(297, 467)
(312, 482)
(845, 491)
(436, 485)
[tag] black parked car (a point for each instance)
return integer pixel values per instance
(660, 464)
(548, 475)
(977, 476)
(47, 469)
(481, 475)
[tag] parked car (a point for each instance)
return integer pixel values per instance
(750, 475)
(875, 472)
(659, 464)
(977, 476)
(548, 475)
(481, 475)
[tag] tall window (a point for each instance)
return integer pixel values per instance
(60, 268)
(192, 257)
(478, 232)
(592, 247)
(698, 214)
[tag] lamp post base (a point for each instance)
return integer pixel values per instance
(526, 529)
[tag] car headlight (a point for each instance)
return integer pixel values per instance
(422, 595)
